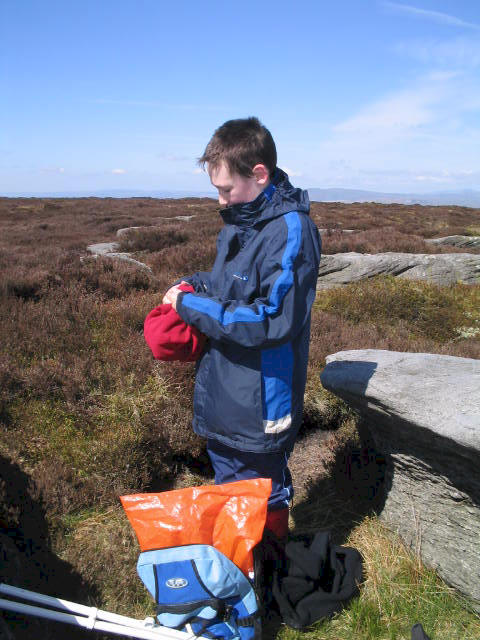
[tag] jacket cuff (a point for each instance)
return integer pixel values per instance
(179, 304)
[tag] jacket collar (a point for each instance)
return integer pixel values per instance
(276, 199)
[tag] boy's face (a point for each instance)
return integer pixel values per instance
(236, 189)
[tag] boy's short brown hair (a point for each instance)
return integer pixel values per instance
(241, 144)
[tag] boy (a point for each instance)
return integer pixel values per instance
(254, 306)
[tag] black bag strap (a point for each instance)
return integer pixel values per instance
(247, 621)
(223, 614)
(219, 605)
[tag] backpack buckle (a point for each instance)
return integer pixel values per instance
(227, 612)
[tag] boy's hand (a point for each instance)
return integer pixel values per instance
(171, 296)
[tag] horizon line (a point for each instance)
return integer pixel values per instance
(193, 193)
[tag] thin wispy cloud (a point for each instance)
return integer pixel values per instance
(436, 16)
(458, 52)
(52, 170)
(119, 171)
(397, 113)
(439, 99)
(445, 176)
(427, 133)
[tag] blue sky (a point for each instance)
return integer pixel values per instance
(125, 94)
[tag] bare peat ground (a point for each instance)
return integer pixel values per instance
(86, 414)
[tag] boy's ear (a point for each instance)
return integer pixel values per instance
(261, 174)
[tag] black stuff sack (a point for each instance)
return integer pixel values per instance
(317, 580)
(418, 633)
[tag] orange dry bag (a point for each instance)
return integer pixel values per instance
(229, 517)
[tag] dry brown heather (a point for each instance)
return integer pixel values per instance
(87, 414)
(417, 220)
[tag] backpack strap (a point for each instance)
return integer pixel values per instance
(247, 621)
(224, 613)
(219, 605)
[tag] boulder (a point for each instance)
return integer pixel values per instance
(184, 218)
(337, 230)
(445, 268)
(126, 257)
(423, 412)
(109, 250)
(103, 248)
(472, 242)
(126, 230)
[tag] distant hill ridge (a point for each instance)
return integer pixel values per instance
(466, 198)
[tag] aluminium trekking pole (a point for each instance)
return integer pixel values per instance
(90, 618)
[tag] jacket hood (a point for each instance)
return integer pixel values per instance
(278, 198)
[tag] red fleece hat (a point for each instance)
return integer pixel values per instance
(169, 337)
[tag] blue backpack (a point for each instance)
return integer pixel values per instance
(198, 585)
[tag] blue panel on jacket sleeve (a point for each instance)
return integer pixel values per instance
(277, 368)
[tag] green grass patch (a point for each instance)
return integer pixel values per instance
(69, 522)
(97, 443)
(436, 312)
(103, 547)
(49, 428)
(323, 409)
(472, 230)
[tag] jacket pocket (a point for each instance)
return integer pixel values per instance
(233, 404)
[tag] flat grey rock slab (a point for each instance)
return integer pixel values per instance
(126, 230)
(338, 230)
(109, 250)
(184, 218)
(101, 248)
(126, 257)
(457, 241)
(446, 268)
(423, 411)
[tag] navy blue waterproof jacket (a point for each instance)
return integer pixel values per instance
(255, 307)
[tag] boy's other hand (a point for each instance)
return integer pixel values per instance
(171, 296)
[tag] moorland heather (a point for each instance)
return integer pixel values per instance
(86, 414)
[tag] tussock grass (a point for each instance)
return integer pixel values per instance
(322, 409)
(418, 311)
(472, 230)
(102, 546)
